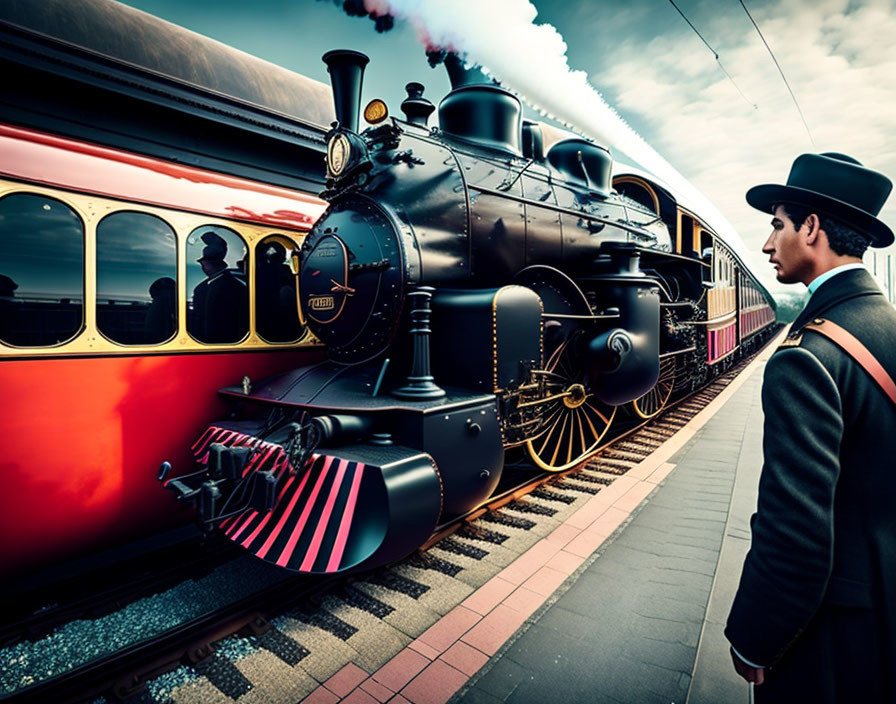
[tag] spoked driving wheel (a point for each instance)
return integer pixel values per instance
(655, 400)
(573, 421)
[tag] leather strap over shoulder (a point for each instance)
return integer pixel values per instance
(857, 351)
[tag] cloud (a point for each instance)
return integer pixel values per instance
(838, 59)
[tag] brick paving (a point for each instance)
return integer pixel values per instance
(627, 626)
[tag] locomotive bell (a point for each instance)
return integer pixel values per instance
(376, 111)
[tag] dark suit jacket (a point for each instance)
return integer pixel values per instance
(220, 309)
(817, 596)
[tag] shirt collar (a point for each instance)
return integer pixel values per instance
(819, 280)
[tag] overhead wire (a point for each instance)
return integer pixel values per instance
(783, 77)
(714, 53)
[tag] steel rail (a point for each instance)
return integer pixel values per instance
(124, 671)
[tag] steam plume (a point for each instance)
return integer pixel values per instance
(530, 60)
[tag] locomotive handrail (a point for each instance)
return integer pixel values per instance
(623, 224)
(720, 319)
(509, 184)
(685, 350)
(572, 316)
(295, 259)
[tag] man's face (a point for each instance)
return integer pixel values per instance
(788, 249)
(211, 266)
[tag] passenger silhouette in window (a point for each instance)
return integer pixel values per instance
(221, 301)
(161, 316)
(7, 306)
(240, 271)
(7, 286)
(276, 311)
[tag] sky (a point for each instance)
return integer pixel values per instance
(724, 125)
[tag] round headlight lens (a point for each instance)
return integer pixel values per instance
(376, 111)
(338, 151)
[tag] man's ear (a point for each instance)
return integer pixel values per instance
(813, 223)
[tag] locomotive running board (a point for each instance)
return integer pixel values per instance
(340, 512)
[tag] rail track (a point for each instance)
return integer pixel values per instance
(34, 608)
(294, 620)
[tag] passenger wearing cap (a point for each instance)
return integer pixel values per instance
(814, 617)
(221, 301)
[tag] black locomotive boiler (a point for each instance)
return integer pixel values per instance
(479, 286)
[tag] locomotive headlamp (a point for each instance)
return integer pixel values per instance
(338, 152)
(376, 111)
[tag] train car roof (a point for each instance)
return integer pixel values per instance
(722, 229)
(621, 168)
(104, 73)
(719, 226)
(87, 168)
(133, 37)
(553, 134)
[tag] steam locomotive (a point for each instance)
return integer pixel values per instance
(481, 286)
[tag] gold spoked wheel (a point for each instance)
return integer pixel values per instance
(573, 421)
(655, 400)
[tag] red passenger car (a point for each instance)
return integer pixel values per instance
(120, 171)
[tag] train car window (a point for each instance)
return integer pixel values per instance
(218, 305)
(136, 279)
(705, 240)
(41, 271)
(276, 299)
(686, 237)
(638, 193)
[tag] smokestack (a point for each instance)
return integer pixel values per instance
(460, 75)
(346, 69)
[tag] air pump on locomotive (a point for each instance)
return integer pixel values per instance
(475, 292)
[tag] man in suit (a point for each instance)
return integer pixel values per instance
(221, 301)
(814, 617)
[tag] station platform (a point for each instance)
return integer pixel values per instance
(625, 601)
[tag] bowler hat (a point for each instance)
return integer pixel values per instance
(215, 246)
(837, 186)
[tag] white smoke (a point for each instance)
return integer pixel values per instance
(530, 60)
